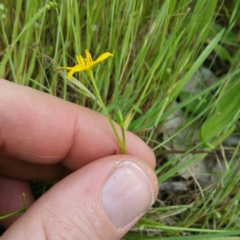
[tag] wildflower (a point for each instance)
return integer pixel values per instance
(85, 64)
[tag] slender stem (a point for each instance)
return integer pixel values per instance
(24, 209)
(121, 124)
(123, 138)
(13, 213)
(120, 143)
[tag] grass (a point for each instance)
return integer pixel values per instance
(158, 46)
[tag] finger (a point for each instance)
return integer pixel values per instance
(37, 127)
(102, 200)
(31, 171)
(11, 199)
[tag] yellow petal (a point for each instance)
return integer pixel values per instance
(88, 57)
(104, 56)
(70, 74)
(85, 64)
(82, 61)
(76, 68)
(100, 59)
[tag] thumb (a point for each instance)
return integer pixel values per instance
(102, 200)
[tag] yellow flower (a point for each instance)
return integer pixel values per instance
(85, 64)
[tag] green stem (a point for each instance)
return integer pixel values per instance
(24, 209)
(123, 138)
(13, 213)
(120, 143)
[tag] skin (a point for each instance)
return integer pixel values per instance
(45, 138)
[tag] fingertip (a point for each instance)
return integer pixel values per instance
(102, 200)
(32, 132)
(128, 192)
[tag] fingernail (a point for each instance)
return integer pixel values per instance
(126, 194)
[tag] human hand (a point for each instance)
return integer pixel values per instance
(101, 194)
